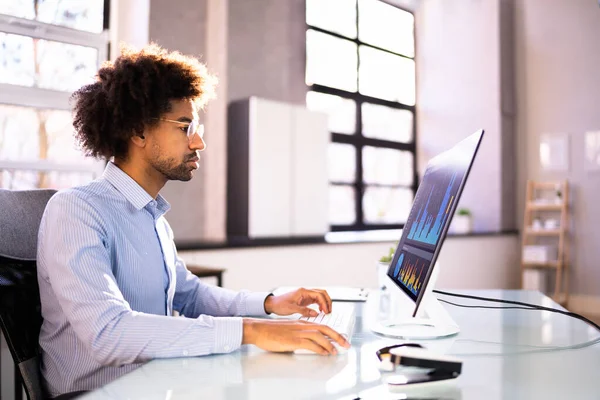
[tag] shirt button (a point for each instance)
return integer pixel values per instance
(185, 353)
(226, 348)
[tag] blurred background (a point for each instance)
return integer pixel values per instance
(327, 112)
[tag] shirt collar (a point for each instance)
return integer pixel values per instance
(131, 190)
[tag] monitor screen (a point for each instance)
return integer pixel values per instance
(430, 216)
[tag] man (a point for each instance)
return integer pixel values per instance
(108, 270)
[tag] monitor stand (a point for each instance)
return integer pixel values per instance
(431, 322)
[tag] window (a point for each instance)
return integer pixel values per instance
(49, 48)
(360, 70)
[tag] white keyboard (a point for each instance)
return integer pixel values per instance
(341, 321)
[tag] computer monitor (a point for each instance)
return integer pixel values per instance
(413, 269)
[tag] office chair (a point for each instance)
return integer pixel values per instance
(20, 309)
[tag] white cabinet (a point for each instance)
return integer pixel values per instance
(270, 169)
(277, 170)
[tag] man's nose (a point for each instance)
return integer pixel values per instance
(197, 143)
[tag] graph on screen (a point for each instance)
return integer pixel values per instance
(411, 271)
(433, 214)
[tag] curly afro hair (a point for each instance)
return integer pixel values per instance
(131, 92)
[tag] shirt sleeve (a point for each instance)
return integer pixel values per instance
(74, 250)
(194, 297)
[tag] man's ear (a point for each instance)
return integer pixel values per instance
(139, 140)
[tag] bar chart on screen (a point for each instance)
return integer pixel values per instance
(411, 271)
(431, 217)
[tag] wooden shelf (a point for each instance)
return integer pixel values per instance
(543, 232)
(550, 264)
(560, 299)
(536, 201)
(546, 207)
(547, 185)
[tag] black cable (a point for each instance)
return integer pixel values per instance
(525, 306)
(535, 351)
(510, 308)
(492, 307)
(519, 303)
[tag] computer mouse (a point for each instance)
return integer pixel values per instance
(340, 349)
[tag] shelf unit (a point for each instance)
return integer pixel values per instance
(559, 208)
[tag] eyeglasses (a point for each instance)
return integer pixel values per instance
(190, 128)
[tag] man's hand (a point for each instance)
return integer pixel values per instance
(289, 335)
(297, 302)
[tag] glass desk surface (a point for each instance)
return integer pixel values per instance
(506, 354)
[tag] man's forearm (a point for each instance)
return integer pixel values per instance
(128, 340)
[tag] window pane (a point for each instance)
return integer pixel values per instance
(387, 166)
(383, 205)
(27, 180)
(16, 60)
(341, 111)
(342, 163)
(330, 61)
(28, 134)
(380, 122)
(338, 16)
(59, 66)
(342, 205)
(386, 26)
(82, 15)
(386, 76)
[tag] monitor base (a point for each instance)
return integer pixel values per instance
(415, 329)
(431, 321)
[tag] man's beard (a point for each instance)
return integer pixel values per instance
(173, 170)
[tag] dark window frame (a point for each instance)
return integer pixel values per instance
(358, 141)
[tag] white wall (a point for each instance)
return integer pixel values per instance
(128, 24)
(183, 27)
(558, 76)
(458, 92)
(466, 262)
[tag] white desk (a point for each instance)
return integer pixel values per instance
(507, 354)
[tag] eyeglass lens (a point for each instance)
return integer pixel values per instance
(195, 127)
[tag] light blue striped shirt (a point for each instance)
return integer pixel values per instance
(110, 279)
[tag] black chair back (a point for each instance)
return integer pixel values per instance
(20, 309)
